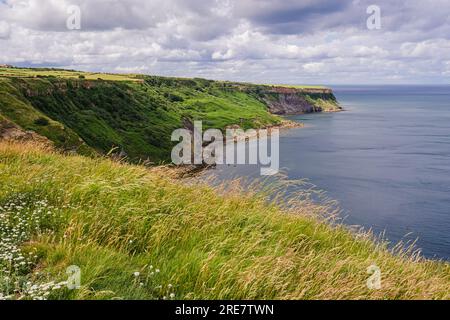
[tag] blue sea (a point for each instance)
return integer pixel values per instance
(386, 160)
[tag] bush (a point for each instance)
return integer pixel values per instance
(173, 97)
(41, 121)
(81, 77)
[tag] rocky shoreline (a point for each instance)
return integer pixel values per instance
(246, 135)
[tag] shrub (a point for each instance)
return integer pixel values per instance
(41, 121)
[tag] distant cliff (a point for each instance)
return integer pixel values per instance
(290, 100)
(136, 114)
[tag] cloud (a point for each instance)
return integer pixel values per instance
(291, 41)
(292, 17)
(5, 30)
(314, 67)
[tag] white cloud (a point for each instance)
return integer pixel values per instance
(314, 66)
(364, 51)
(217, 55)
(4, 30)
(429, 49)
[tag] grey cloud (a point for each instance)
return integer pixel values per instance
(51, 15)
(290, 17)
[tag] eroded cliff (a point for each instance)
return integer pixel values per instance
(289, 101)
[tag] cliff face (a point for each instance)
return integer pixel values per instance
(284, 100)
(289, 101)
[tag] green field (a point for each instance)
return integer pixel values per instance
(64, 74)
(140, 234)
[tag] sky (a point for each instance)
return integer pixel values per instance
(262, 41)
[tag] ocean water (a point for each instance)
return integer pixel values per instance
(386, 159)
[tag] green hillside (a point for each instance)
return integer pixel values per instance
(135, 114)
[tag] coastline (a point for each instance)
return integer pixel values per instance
(190, 171)
(284, 125)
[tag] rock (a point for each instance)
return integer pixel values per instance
(11, 132)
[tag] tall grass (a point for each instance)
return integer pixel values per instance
(140, 234)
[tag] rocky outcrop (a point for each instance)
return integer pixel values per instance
(60, 86)
(284, 100)
(289, 101)
(289, 104)
(11, 132)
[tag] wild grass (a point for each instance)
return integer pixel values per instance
(119, 223)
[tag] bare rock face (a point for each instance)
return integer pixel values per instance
(11, 132)
(291, 100)
(288, 101)
(61, 86)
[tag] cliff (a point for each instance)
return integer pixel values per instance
(294, 100)
(136, 114)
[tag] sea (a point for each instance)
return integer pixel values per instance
(385, 160)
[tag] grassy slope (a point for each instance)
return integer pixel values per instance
(16, 108)
(113, 219)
